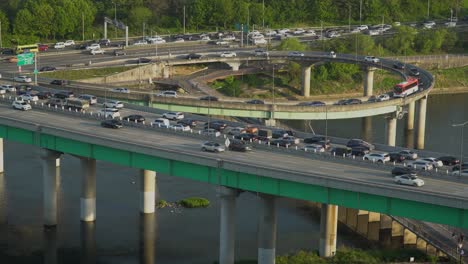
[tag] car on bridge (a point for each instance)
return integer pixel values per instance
(420, 165)
(314, 103)
(408, 179)
(435, 162)
(21, 105)
(113, 104)
(22, 78)
(377, 157)
(449, 160)
(167, 94)
(59, 82)
(399, 65)
(371, 59)
(180, 127)
(194, 56)
(120, 90)
(413, 72)
(295, 54)
(212, 146)
(47, 69)
(135, 118)
(237, 145)
(402, 170)
(383, 97)
(228, 54)
(209, 98)
(174, 115)
(109, 113)
(112, 123)
(408, 154)
(96, 51)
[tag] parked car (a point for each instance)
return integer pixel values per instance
(420, 165)
(397, 157)
(212, 146)
(209, 98)
(47, 68)
(377, 157)
(449, 160)
(167, 94)
(112, 123)
(22, 78)
(238, 145)
(188, 122)
(194, 56)
(339, 151)
(173, 115)
(113, 104)
(135, 118)
(371, 59)
(295, 54)
(403, 170)
(21, 105)
(58, 82)
(109, 112)
(120, 90)
(409, 179)
(435, 162)
(408, 154)
(358, 143)
(228, 54)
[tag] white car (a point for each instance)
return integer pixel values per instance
(109, 112)
(313, 148)
(179, 40)
(429, 24)
(408, 154)
(29, 98)
(234, 130)
(174, 115)
(162, 122)
(205, 38)
(210, 132)
(140, 43)
(310, 33)
(229, 38)
(377, 157)
(96, 51)
(222, 43)
(374, 32)
(257, 36)
(120, 90)
(295, 54)
(259, 41)
(21, 105)
(113, 104)
(283, 31)
(435, 162)
(420, 165)
(59, 45)
(457, 173)
(93, 46)
(228, 54)
(69, 42)
(261, 53)
(408, 179)
(451, 24)
(180, 127)
(8, 88)
(363, 27)
(22, 78)
(2, 90)
(371, 59)
(332, 54)
(270, 33)
(298, 31)
(167, 94)
(383, 97)
(212, 146)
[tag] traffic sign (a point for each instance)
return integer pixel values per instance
(25, 59)
(227, 142)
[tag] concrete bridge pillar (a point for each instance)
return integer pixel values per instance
(147, 191)
(328, 230)
(391, 129)
(369, 81)
(147, 238)
(50, 246)
(88, 189)
(267, 230)
(88, 242)
(366, 128)
(306, 71)
(235, 65)
(1, 156)
(49, 176)
(227, 224)
(410, 117)
(421, 123)
(271, 122)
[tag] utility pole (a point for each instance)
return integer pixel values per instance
(360, 12)
(242, 35)
(143, 30)
(349, 18)
(82, 24)
(184, 19)
(1, 46)
(428, 8)
(263, 15)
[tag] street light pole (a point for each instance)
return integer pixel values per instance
(428, 8)
(462, 125)
(263, 14)
(184, 19)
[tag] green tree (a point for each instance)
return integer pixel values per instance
(139, 15)
(291, 44)
(402, 42)
(301, 257)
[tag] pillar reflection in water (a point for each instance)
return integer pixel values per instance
(147, 234)
(50, 245)
(88, 242)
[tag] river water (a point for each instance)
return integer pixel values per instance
(122, 235)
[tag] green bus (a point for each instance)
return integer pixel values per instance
(27, 48)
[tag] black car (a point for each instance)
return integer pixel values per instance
(414, 72)
(118, 52)
(44, 95)
(81, 47)
(194, 56)
(397, 157)
(359, 151)
(314, 103)
(143, 60)
(314, 139)
(209, 98)
(341, 102)
(399, 65)
(353, 101)
(112, 123)
(402, 170)
(135, 118)
(238, 145)
(352, 143)
(457, 167)
(47, 68)
(255, 101)
(188, 122)
(372, 99)
(8, 52)
(246, 137)
(338, 151)
(217, 125)
(63, 94)
(449, 160)
(104, 42)
(279, 133)
(281, 142)
(58, 82)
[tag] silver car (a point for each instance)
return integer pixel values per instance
(212, 146)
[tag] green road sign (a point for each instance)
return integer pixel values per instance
(25, 59)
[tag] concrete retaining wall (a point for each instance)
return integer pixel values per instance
(144, 73)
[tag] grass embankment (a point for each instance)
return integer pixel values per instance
(191, 202)
(85, 73)
(454, 77)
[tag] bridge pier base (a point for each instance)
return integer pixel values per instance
(147, 191)
(88, 189)
(227, 224)
(328, 230)
(270, 122)
(369, 81)
(88, 242)
(234, 65)
(366, 128)
(306, 71)
(50, 246)
(421, 123)
(49, 176)
(391, 130)
(267, 230)
(410, 117)
(1, 156)
(147, 238)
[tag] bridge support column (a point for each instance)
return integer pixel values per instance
(1, 156)
(88, 189)
(366, 128)
(234, 65)
(421, 123)
(369, 81)
(410, 118)
(270, 122)
(88, 242)
(227, 224)
(328, 230)
(50, 246)
(306, 81)
(267, 230)
(391, 130)
(147, 238)
(49, 176)
(147, 191)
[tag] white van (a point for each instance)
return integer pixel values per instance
(161, 122)
(167, 94)
(90, 98)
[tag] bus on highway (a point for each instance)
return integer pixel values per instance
(27, 48)
(406, 88)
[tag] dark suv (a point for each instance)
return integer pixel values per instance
(341, 151)
(353, 143)
(217, 125)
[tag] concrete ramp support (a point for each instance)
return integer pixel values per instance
(49, 177)
(306, 80)
(328, 230)
(369, 81)
(1, 156)
(88, 242)
(227, 228)
(391, 129)
(235, 65)
(147, 191)
(147, 238)
(88, 189)
(410, 117)
(267, 230)
(421, 123)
